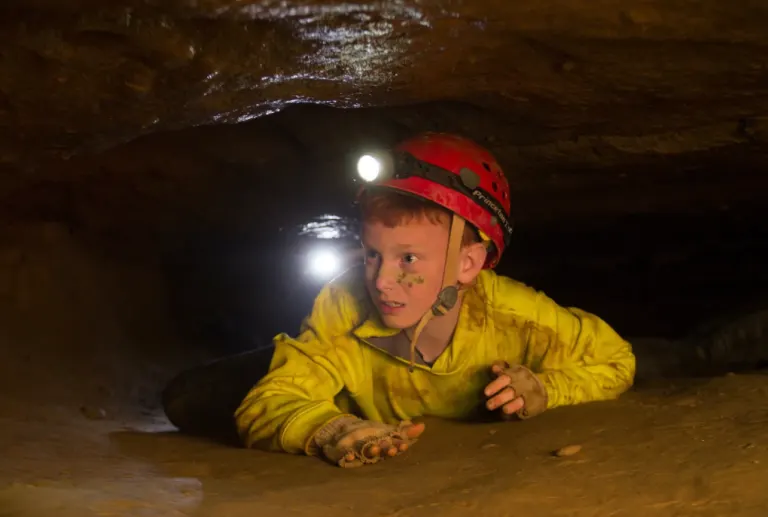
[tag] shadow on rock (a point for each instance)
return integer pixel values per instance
(737, 342)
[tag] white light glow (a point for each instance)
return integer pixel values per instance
(324, 264)
(368, 167)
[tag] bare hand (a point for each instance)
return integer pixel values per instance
(500, 394)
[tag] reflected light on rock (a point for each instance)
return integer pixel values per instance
(328, 226)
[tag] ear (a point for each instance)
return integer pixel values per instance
(471, 262)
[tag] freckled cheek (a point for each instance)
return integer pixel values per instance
(392, 278)
(422, 293)
(411, 280)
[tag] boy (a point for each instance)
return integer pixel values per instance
(426, 327)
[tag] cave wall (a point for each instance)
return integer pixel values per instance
(81, 332)
(122, 267)
(84, 75)
(275, 170)
(659, 223)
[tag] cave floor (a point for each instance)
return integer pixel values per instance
(693, 447)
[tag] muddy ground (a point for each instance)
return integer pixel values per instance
(668, 448)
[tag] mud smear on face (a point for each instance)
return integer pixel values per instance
(409, 280)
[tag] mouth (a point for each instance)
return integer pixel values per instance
(389, 307)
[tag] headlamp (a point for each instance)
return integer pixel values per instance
(324, 263)
(369, 167)
(375, 166)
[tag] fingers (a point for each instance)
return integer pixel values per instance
(384, 449)
(395, 448)
(497, 385)
(373, 451)
(512, 407)
(502, 395)
(498, 367)
(507, 395)
(360, 446)
(392, 447)
(414, 430)
(507, 400)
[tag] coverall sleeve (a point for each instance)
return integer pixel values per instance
(577, 355)
(285, 408)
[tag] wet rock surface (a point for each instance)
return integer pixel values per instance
(577, 77)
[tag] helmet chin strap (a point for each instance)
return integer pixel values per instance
(449, 292)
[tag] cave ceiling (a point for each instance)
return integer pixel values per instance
(629, 105)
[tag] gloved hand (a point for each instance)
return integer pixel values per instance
(351, 442)
(516, 390)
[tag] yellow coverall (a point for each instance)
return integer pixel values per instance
(334, 367)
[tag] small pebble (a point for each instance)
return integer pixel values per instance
(568, 450)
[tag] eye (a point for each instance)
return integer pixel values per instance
(371, 255)
(410, 258)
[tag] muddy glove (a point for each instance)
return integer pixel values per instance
(351, 442)
(516, 390)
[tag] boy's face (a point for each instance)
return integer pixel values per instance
(404, 268)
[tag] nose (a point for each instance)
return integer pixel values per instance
(386, 276)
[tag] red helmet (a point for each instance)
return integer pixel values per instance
(457, 174)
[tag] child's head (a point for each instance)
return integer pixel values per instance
(431, 185)
(405, 240)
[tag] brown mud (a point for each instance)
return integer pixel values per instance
(668, 448)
